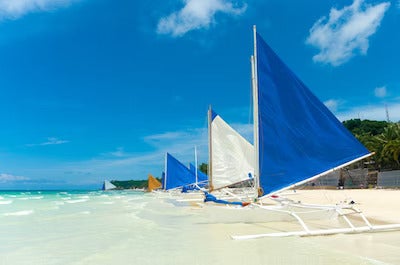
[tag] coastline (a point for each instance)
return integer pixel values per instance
(125, 227)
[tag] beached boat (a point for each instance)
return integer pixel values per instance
(179, 183)
(231, 156)
(296, 140)
(153, 184)
(231, 162)
(177, 175)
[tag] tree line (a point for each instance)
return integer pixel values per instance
(380, 137)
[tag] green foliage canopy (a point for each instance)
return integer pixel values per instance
(380, 137)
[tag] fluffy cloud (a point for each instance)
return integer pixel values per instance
(346, 31)
(11, 178)
(196, 14)
(13, 9)
(372, 112)
(380, 92)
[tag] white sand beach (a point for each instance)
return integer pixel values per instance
(377, 204)
(133, 228)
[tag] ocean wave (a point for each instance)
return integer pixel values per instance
(20, 213)
(31, 198)
(108, 202)
(76, 201)
(5, 202)
(135, 199)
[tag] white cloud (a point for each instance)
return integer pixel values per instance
(332, 104)
(372, 112)
(380, 92)
(11, 178)
(13, 9)
(50, 141)
(196, 14)
(119, 152)
(132, 165)
(346, 31)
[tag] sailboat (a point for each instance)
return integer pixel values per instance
(231, 161)
(296, 140)
(201, 178)
(107, 185)
(177, 178)
(153, 184)
(231, 156)
(177, 175)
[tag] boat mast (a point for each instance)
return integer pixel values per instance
(195, 164)
(165, 173)
(254, 82)
(209, 151)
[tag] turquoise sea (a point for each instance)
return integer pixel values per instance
(128, 227)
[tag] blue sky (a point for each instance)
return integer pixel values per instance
(100, 89)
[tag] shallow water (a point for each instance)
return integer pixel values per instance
(135, 228)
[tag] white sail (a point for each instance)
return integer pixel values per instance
(232, 156)
(108, 185)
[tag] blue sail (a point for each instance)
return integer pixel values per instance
(202, 178)
(177, 174)
(299, 138)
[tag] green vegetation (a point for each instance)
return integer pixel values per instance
(204, 168)
(130, 184)
(380, 137)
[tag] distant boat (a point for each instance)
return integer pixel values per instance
(153, 184)
(107, 185)
(176, 175)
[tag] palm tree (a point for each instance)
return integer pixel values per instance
(390, 141)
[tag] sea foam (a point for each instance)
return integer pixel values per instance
(20, 213)
(76, 201)
(31, 198)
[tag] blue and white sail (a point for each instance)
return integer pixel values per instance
(231, 155)
(297, 138)
(107, 185)
(176, 174)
